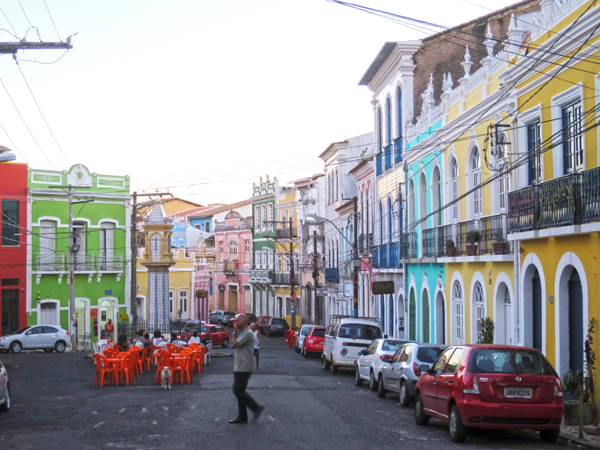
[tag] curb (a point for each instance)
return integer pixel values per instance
(579, 441)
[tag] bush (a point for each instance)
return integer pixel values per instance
(450, 243)
(473, 236)
(486, 331)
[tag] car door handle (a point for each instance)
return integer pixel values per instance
(450, 381)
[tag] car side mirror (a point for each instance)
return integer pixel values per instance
(424, 368)
(386, 359)
(361, 352)
(385, 336)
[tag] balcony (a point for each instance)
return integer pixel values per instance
(569, 200)
(379, 164)
(434, 242)
(408, 245)
(388, 157)
(59, 262)
(494, 230)
(261, 276)
(492, 238)
(230, 266)
(386, 256)
(332, 275)
(398, 150)
(284, 279)
(284, 233)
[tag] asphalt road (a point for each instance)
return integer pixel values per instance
(55, 405)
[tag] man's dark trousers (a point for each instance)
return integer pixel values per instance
(245, 400)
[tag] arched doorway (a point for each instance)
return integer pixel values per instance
(576, 326)
(401, 319)
(479, 312)
(458, 314)
(108, 311)
(391, 327)
(425, 319)
(503, 317)
(440, 319)
(412, 316)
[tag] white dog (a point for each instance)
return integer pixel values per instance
(166, 378)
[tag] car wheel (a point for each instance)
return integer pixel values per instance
(6, 405)
(549, 436)
(48, 350)
(60, 347)
(420, 417)
(458, 432)
(404, 395)
(358, 381)
(381, 391)
(15, 347)
(325, 362)
(225, 343)
(333, 367)
(373, 382)
(305, 353)
(220, 322)
(268, 335)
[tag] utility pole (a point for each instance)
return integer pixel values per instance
(355, 260)
(315, 275)
(292, 275)
(12, 47)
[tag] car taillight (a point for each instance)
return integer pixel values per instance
(67, 332)
(416, 369)
(310, 341)
(470, 383)
(557, 388)
(270, 325)
(381, 356)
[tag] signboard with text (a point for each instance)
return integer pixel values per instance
(383, 287)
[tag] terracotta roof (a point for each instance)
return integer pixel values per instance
(218, 209)
(188, 212)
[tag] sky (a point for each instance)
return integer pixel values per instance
(197, 97)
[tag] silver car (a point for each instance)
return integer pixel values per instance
(46, 337)
(220, 317)
(370, 361)
(4, 389)
(301, 334)
(401, 371)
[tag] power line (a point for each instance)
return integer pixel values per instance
(13, 28)
(52, 20)
(28, 21)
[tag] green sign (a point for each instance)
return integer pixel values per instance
(104, 182)
(40, 178)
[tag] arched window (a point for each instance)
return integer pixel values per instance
(459, 313)
(399, 107)
(379, 131)
(367, 210)
(337, 186)
(476, 174)
(479, 309)
(270, 216)
(263, 217)
(233, 251)
(256, 218)
(454, 190)
(389, 219)
(501, 158)
(388, 105)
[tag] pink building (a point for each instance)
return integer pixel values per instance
(233, 241)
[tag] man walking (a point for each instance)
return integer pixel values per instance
(243, 366)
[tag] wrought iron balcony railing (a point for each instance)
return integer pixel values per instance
(568, 200)
(284, 279)
(59, 262)
(408, 245)
(261, 276)
(494, 231)
(332, 275)
(433, 242)
(388, 157)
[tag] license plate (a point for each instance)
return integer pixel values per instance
(515, 392)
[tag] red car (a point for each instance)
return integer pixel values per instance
(493, 387)
(313, 343)
(218, 334)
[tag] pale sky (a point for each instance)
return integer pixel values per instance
(198, 96)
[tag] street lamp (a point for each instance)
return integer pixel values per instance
(6, 154)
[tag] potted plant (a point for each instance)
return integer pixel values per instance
(450, 248)
(486, 331)
(499, 242)
(473, 237)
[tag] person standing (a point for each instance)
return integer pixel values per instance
(256, 334)
(110, 329)
(243, 366)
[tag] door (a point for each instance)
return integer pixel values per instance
(233, 299)
(367, 360)
(425, 317)
(49, 313)
(3, 381)
(536, 301)
(429, 388)
(446, 381)
(50, 337)
(33, 338)
(412, 317)
(391, 372)
(576, 356)
(10, 311)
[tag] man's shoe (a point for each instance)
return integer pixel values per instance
(258, 412)
(238, 420)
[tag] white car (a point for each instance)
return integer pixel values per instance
(4, 389)
(345, 336)
(301, 334)
(370, 362)
(46, 337)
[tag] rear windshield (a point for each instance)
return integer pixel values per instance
(251, 316)
(229, 313)
(359, 331)
(306, 330)
(509, 361)
(204, 329)
(278, 321)
(429, 354)
(319, 332)
(391, 346)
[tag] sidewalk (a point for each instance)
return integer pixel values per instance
(571, 433)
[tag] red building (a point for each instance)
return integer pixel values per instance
(13, 247)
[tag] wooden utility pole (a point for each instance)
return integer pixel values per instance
(315, 275)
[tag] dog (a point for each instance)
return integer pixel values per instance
(166, 378)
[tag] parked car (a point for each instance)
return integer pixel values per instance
(313, 343)
(47, 337)
(218, 334)
(220, 317)
(301, 334)
(275, 326)
(370, 361)
(344, 337)
(260, 322)
(251, 319)
(491, 386)
(4, 389)
(401, 371)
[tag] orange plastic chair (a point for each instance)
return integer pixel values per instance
(128, 368)
(164, 359)
(118, 348)
(194, 345)
(183, 369)
(110, 353)
(202, 358)
(147, 354)
(101, 369)
(135, 350)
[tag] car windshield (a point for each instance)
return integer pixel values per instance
(22, 330)
(509, 361)
(429, 354)
(359, 331)
(318, 332)
(251, 316)
(229, 313)
(391, 346)
(278, 321)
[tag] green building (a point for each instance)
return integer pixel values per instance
(264, 195)
(101, 239)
